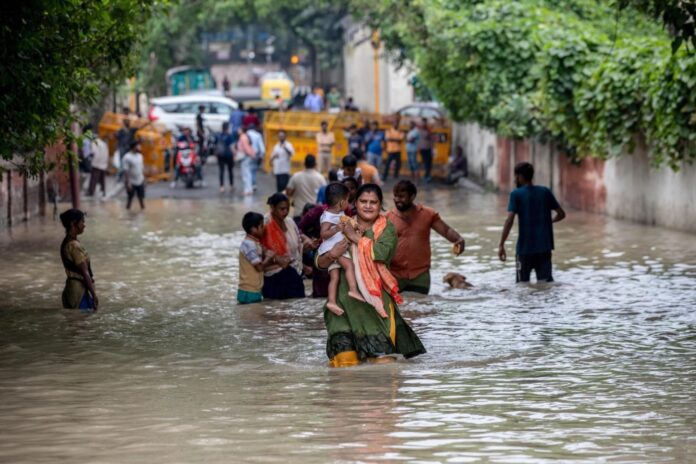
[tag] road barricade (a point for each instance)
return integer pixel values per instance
(155, 142)
(301, 128)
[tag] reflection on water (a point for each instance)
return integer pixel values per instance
(600, 366)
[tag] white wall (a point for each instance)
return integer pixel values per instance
(358, 60)
(642, 193)
(480, 148)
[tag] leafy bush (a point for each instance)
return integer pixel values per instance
(591, 76)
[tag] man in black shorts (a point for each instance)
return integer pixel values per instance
(533, 204)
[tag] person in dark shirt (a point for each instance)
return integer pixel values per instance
(533, 204)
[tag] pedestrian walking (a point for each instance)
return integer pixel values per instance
(412, 138)
(259, 147)
(79, 292)
(237, 119)
(374, 143)
(280, 159)
(395, 140)
(200, 132)
(224, 142)
(247, 155)
(304, 185)
(425, 147)
(354, 139)
(533, 204)
(134, 172)
(251, 119)
(325, 143)
(100, 163)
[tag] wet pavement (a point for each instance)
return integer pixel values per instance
(599, 367)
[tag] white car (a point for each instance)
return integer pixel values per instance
(180, 111)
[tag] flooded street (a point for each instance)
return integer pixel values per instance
(599, 367)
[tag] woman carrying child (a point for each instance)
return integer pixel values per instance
(332, 227)
(360, 333)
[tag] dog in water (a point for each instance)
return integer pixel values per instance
(456, 280)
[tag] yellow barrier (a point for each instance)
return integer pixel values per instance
(301, 128)
(155, 140)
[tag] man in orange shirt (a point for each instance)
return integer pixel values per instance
(413, 222)
(368, 173)
(395, 138)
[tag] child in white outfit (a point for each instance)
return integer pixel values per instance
(337, 199)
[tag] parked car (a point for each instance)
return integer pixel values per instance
(180, 111)
(422, 110)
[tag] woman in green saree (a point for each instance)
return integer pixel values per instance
(358, 333)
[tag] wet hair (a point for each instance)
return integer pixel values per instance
(310, 161)
(333, 175)
(201, 107)
(240, 106)
(225, 126)
(349, 161)
(134, 144)
(526, 170)
(370, 188)
(351, 180)
(335, 192)
(406, 186)
(307, 208)
(70, 217)
(324, 123)
(276, 199)
(251, 220)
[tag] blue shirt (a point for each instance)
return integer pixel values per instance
(313, 103)
(374, 142)
(236, 119)
(533, 205)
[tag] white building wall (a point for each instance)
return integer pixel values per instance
(358, 59)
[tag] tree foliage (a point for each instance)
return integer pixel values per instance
(55, 54)
(174, 34)
(678, 16)
(583, 72)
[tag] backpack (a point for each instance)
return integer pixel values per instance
(221, 147)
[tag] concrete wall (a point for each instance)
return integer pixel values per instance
(358, 61)
(23, 197)
(627, 187)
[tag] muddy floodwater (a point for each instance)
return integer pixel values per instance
(599, 367)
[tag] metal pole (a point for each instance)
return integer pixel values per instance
(375, 67)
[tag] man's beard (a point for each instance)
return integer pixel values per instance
(403, 207)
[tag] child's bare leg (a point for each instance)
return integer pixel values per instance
(347, 265)
(335, 275)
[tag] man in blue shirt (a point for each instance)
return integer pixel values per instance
(374, 144)
(236, 119)
(533, 204)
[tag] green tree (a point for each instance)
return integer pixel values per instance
(173, 36)
(582, 72)
(55, 55)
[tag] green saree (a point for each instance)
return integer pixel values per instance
(360, 329)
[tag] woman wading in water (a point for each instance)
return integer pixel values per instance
(79, 290)
(358, 333)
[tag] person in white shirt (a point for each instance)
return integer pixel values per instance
(280, 159)
(100, 163)
(134, 171)
(304, 185)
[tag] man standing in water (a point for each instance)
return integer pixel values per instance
(411, 263)
(533, 204)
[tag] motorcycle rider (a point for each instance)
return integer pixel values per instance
(185, 136)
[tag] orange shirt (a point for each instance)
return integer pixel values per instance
(368, 172)
(412, 256)
(395, 139)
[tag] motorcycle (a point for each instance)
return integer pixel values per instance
(186, 163)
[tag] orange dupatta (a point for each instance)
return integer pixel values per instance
(374, 276)
(274, 238)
